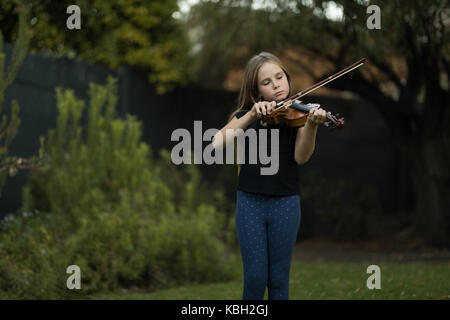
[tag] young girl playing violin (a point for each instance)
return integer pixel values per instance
(268, 206)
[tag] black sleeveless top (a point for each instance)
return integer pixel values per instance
(286, 180)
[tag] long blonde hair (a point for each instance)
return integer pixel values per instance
(248, 94)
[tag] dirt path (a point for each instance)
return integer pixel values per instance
(323, 250)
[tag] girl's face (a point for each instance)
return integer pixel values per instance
(273, 84)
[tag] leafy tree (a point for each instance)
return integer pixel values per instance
(11, 164)
(136, 33)
(406, 77)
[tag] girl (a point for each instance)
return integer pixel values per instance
(268, 206)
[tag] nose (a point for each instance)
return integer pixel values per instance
(276, 84)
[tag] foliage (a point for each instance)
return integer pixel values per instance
(141, 34)
(338, 209)
(189, 190)
(102, 204)
(11, 164)
(407, 31)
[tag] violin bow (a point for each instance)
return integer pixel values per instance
(288, 101)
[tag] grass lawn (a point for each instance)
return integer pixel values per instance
(325, 280)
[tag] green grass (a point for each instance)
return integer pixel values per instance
(319, 280)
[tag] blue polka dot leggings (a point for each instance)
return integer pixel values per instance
(267, 229)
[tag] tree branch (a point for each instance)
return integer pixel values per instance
(389, 109)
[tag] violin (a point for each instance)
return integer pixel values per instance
(294, 113)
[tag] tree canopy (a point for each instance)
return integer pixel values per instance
(136, 33)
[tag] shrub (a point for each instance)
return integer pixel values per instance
(103, 204)
(340, 209)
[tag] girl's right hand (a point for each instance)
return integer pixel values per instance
(262, 108)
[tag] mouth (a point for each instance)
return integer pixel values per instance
(278, 93)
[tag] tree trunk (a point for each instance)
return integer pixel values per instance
(429, 169)
(425, 140)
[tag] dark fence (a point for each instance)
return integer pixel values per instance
(361, 153)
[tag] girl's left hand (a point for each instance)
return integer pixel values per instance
(317, 116)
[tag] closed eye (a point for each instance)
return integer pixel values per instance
(278, 76)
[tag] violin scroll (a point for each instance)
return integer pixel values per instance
(334, 122)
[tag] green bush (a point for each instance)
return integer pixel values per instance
(103, 203)
(189, 190)
(340, 210)
(27, 258)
